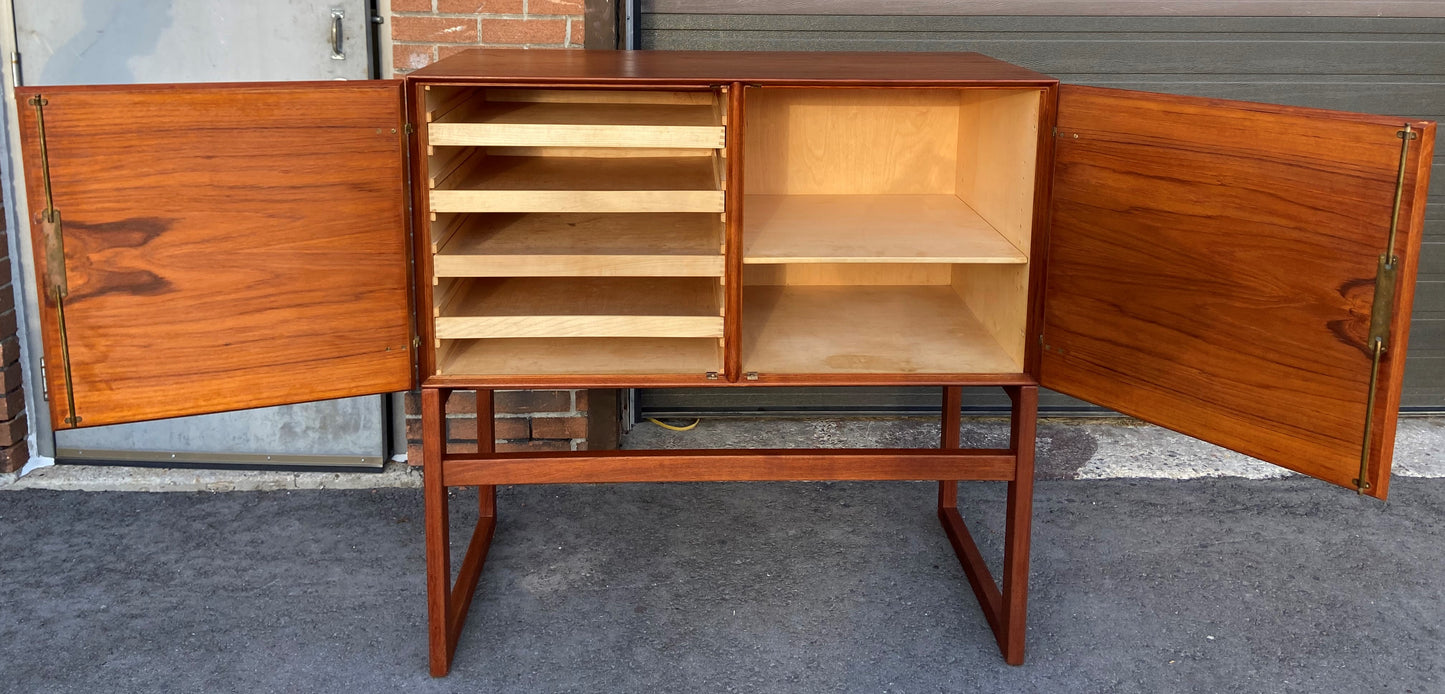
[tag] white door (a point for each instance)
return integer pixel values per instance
(135, 41)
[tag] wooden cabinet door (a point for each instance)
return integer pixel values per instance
(218, 247)
(1213, 268)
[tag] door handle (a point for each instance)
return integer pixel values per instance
(337, 51)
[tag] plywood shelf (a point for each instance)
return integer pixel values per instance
(556, 245)
(553, 124)
(488, 183)
(580, 307)
(870, 229)
(579, 356)
(860, 330)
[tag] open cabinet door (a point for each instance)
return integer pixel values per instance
(204, 248)
(1229, 270)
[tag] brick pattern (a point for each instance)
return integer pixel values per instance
(424, 31)
(526, 420)
(14, 449)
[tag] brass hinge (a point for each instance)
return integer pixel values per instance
(50, 226)
(1383, 305)
(408, 128)
(53, 234)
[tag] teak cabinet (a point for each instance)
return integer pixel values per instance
(1237, 272)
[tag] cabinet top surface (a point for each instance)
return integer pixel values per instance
(711, 67)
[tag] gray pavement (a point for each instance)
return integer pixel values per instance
(1138, 585)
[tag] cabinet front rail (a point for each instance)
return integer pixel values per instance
(727, 465)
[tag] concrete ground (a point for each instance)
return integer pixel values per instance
(1213, 575)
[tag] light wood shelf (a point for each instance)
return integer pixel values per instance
(581, 307)
(488, 183)
(552, 124)
(870, 229)
(579, 356)
(858, 330)
(557, 245)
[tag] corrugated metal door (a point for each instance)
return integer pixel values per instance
(1388, 65)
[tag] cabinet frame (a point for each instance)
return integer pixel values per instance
(732, 372)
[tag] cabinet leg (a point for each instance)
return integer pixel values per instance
(952, 421)
(1020, 521)
(447, 605)
(1006, 609)
(438, 541)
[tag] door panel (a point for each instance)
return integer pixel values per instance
(225, 246)
(1211, 268)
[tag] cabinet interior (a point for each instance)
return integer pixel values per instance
(887, 230)
(579, 232)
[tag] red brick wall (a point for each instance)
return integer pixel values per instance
(526, 420)
(14, 451)
(423, 31)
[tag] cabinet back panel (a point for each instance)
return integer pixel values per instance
(856, 274)
(850, 141)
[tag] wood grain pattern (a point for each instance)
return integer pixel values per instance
(221, 242)
(733, 246)
(1043, 196)
(552, 124)
(574, 184)
(998, 133)
(1023, 435)
(538, 361)
(594, 378)
(860, 330)
(1392, 370)
(448, 604)
(850, 274)
(418, 99)
(870, 229)
(438, 531)
(582, 307)
(851, 141)
(680, 68)
(604, 96)
(541, 245)
(715, 465)
(1212, 265)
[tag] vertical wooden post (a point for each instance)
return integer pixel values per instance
(438, 542)
(1020, 514)
(952, 419)
(486, 443)
(733, 237)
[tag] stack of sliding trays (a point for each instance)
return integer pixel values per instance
(577, 231)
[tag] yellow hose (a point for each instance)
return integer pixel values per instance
(671, 427)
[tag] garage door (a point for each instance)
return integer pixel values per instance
(1377, 64)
